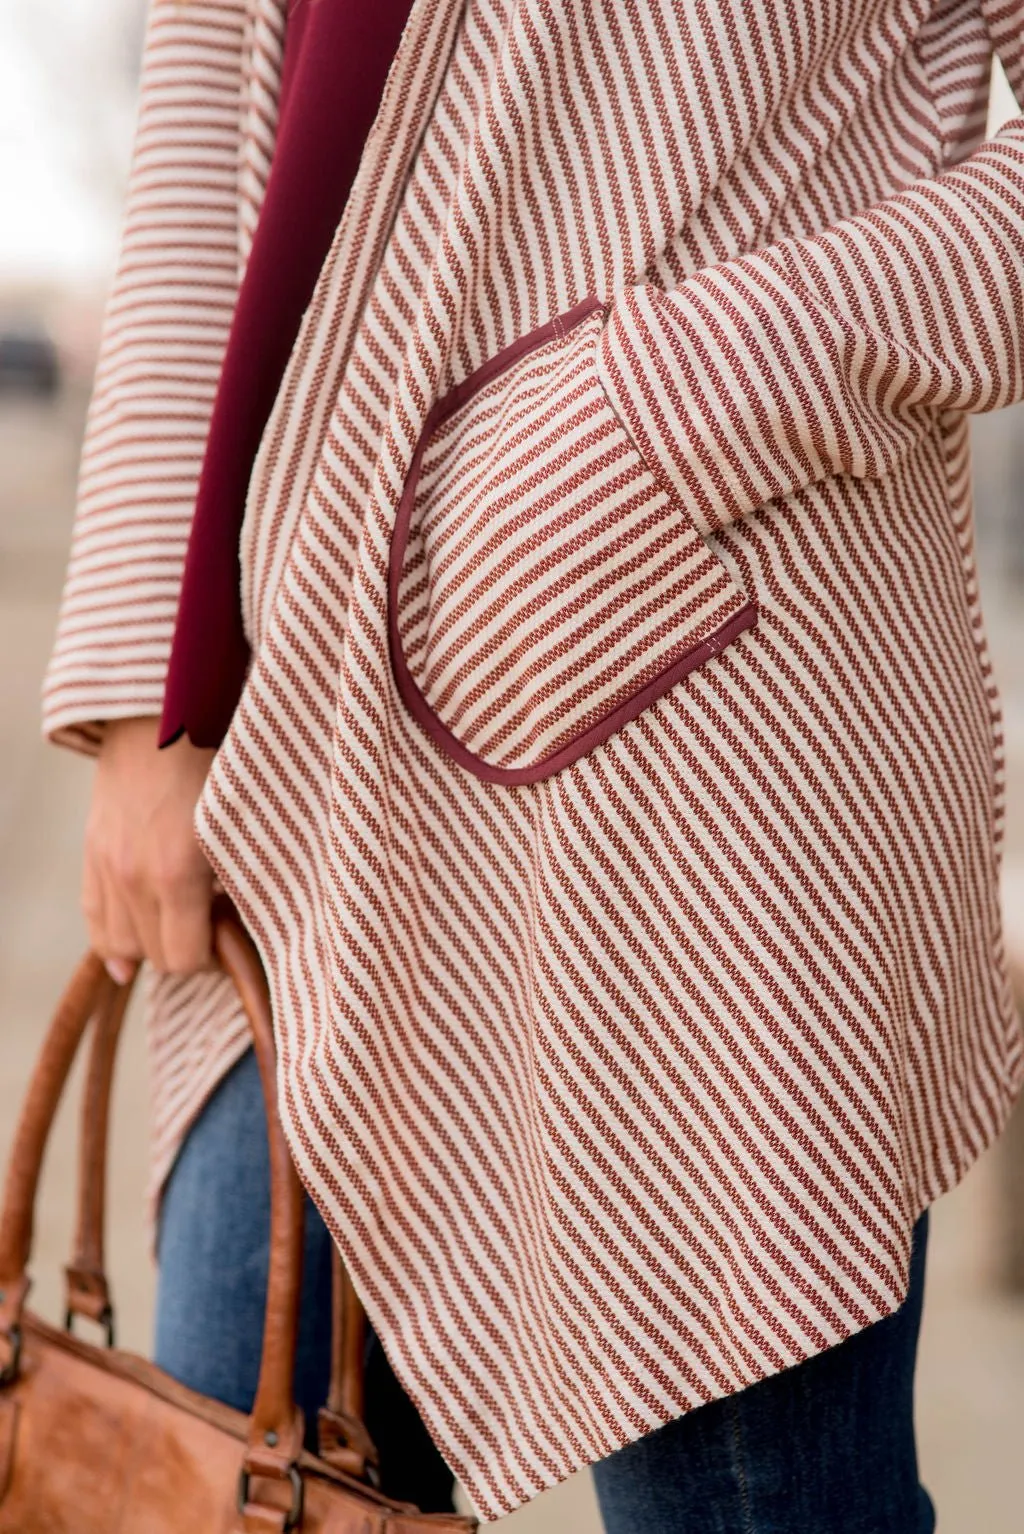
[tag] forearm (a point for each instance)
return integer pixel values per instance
(834, 354)
(164, 337)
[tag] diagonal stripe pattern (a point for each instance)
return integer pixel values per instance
(621, 1083)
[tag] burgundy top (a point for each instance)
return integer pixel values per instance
(336, 59)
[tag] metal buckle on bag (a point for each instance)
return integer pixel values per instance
(104, 1319)
(9, 1372)
(294, 1516)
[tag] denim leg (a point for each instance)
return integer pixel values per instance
(213, 1248)
(824, 1448)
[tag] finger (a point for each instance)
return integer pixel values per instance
(132, 916)
(185, 928)
(144, 911)
(118, 942)
(94, 909)
(93, 905)
(119, 970)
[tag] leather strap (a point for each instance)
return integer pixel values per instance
(276, 1428)
(344, 1439)
(413, 1523)
(90, 989)
(257, 1519)
(9, 1413)
(87, 1290)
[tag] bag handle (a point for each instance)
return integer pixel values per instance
(276, 1426)
(87, 1289)
(344, 1440)
(90, 991)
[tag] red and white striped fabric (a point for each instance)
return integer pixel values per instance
(633, 998)
(556, 589)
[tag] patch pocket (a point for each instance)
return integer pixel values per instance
(544, 588)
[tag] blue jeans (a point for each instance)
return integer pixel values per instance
(212, 1250)
(825, 1448)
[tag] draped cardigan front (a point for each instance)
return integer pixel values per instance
(615, 793)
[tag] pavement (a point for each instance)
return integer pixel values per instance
(970, 1398)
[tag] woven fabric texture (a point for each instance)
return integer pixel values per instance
(621, 1085)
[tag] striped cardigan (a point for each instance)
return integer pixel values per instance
(615, 795)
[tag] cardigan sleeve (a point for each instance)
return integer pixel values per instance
(834, 354)
(164, 336)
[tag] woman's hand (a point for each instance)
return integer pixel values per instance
(147, 888)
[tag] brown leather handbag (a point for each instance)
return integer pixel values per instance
(94, 1439)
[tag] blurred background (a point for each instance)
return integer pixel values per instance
(68, 75)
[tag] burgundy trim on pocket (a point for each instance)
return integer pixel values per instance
(408, 688)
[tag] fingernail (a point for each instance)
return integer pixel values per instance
(119, 970)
